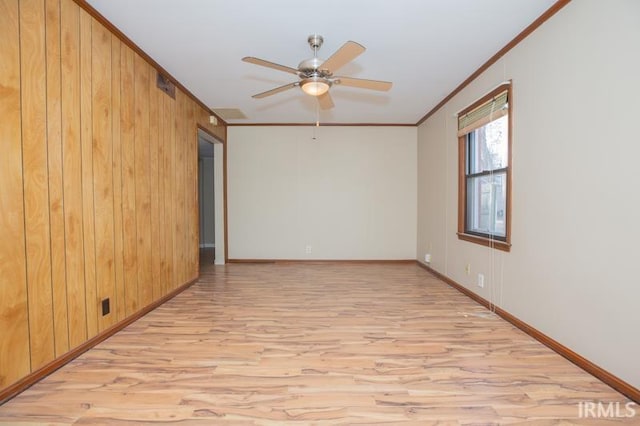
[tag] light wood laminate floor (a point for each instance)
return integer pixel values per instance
(316, 344)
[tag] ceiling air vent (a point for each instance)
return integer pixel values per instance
(166, 85)
(230, 113)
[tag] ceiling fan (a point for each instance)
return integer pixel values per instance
(316, 75)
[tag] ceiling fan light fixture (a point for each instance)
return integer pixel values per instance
(315, 86)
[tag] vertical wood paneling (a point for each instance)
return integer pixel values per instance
(187, 192)
(117, 179)
(170, 201)
(88, 209)
(143, 193)
(72, 171)
(186, 252)
(56, 202)
(162, 172)
(103, 168)
(195, 198)
(154, 133)
(129, 221)
(178, 247)
(35, 178)
(14, 326)
(192, 207)
(98, 178)
(184, 214)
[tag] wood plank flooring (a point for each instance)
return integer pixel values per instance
(321, 343)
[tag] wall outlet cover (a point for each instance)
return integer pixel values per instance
(105, 307)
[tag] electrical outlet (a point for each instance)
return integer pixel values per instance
(105, 307)
(427, 258)
(467, 269)
(481, 280)
(308, 249)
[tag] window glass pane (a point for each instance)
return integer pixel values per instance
(488, 146)
(486, 204)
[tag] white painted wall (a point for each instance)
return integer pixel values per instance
(573, 270)
(349, 194)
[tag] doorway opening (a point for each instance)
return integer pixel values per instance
(210, 200)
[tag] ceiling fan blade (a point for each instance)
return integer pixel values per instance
(276, 90)
(325, 101)
(362, 83)
(268, 64)
(347, 53)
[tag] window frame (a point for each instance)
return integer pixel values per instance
(500, 243)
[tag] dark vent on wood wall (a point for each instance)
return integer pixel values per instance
(166, 85)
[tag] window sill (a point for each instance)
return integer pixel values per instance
(499, 245)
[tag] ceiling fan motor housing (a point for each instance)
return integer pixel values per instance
(309, 67)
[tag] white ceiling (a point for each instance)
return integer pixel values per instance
(425, 47)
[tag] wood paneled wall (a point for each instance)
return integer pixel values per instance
(98, 183)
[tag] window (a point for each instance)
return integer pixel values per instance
(484, 172)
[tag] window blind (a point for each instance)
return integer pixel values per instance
(484, 113)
